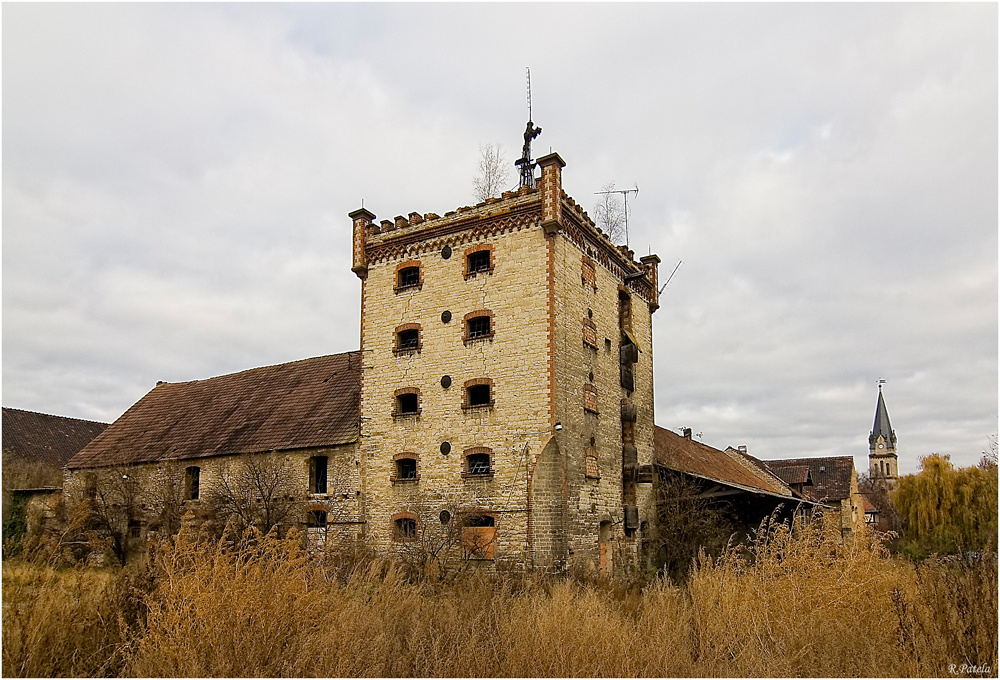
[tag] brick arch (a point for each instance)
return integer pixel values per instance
(475, 315)
(404, 515)
(476, 382)
(405, 265)
(472, 451)
(396, 349)
(487, 247)
(405, 455)
(400, 392)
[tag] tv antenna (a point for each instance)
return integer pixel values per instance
(670, 277)
(530, 132)
(624, 193)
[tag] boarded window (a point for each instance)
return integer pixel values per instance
(590, 397)
(479, 537)
(192, 483)
(317, 474)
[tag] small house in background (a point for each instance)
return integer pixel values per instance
(831, 481)
(36, 446)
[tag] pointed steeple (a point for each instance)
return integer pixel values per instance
(882, 426)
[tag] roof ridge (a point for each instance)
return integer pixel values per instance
(53, 415)
(259, 368)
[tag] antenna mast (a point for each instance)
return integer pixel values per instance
(624, 193)
(530, 132)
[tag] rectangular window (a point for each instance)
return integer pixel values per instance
(405, 529)
(479, 327)
(317, 474)
(407, 404)
(479, 261)
(479, 537)
(408, 339)
(479, 463)
(409, 276)
(406, 468)
(479, 395)
(192, 483)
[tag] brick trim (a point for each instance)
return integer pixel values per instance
(397, 350)
(474, 315)
(395, 530)
(588, 272)
(395, 402)
(475, 382)
(590, 398)
(592, 468)
(474, 450)
(404, 455)
(406, 265)
(477, 249)
(589, 333)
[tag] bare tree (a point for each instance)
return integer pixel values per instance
(258, 491)
(686, 522)
(491, 178)
(877, 492)
(609, 213)
(116, 503)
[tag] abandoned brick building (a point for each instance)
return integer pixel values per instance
(500, 406)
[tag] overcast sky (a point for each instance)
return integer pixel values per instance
(177, 178)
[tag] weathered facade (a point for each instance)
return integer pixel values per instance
(500, 407)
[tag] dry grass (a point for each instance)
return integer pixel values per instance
(806, 605)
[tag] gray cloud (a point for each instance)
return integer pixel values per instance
(177, 177)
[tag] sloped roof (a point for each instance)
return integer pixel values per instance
(882, 426)
(302, 404)
(730, 467)
(831, 476)
(42, 438)
(790, 474)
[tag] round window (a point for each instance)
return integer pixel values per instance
(445, 316)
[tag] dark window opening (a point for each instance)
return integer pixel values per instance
(479, 521)
(192, 483)
(316, 519)
(479, 261)
(479, 464)
(317, 474)
(134, 529)
(406, 528)
(406, 468)
(479, 395)
(479, 326)
(407, 404)
(409, 276)
(408, 339)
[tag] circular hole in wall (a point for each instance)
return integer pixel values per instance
(445, 316)
(446, 448)
(446, 381)
(446, 252)
(445, 517)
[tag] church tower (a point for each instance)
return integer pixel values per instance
(882, 461)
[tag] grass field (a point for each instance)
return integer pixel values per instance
(798, 606)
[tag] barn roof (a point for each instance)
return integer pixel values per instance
(731, 467)
(790, 473)
(302, 404)
(42, 438)
(831, 476)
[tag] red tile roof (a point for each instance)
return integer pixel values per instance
(730, 467)
(41, 438)
(302, 404)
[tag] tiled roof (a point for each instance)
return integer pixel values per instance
(729, 467)
(790, 474)
(302, 404)
(41, 438)
(831, 476)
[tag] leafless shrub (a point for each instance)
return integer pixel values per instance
(257, 492)
(609, 213)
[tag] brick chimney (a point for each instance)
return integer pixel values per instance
(362, 221)
(551, 187)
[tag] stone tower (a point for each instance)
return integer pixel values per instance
(507, 383)
(882, 463)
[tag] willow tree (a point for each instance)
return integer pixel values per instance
(948, 510)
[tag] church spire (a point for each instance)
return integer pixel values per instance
(882, 445)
